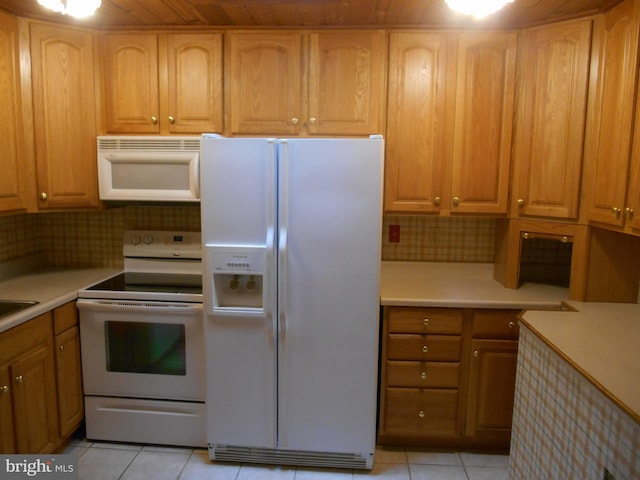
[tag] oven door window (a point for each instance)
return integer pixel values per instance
(137, 347)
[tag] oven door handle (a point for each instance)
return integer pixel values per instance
(139, 306)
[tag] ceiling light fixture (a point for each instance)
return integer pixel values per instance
(75, 8)
(475, 8)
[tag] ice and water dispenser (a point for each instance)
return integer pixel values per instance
(238, 279)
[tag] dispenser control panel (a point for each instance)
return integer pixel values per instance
(237, 259)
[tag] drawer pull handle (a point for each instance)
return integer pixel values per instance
(425, 349)
(423, 375)
(426, 322)
(421, 413)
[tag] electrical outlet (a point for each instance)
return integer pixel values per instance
(607, 475)
(394, 233)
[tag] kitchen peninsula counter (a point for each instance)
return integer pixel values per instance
(50, 287)
(600, 341)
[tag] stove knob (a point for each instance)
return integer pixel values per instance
(148, 239)
(136, 239)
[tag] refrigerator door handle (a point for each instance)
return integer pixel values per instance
(283, 218)
(270, 299)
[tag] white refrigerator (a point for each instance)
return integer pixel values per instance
(291, 233)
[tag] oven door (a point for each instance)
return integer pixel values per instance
(142, 349)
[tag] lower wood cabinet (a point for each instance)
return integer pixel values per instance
(28, 388)
(40, 388)
(448, 377)
(68, 369)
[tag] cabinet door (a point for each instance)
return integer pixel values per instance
(7, 440)
(64, 116)
(69, 381)
(12, 191)
(632, 209)
(346, 83)
(264, 82)
(131, 83)
(194, 83)
(550, 118)
(34, 394)
(417, 109)
(483, 121)
(492, 380)
(612, 116)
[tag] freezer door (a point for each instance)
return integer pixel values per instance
(237, 190)
(238, 214)
(330, 214)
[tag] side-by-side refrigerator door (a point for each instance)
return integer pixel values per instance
(238, 180)
(330, 233)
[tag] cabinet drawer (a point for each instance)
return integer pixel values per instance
(424, 347)
(65, 317)
(423, 374)
(492, 323)
(425, 320)
(424, 412)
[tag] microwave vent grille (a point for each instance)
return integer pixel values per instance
(146, 144)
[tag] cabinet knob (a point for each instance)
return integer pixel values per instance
(436, 201)
(520, 202)
(44, 197)
(512, 324)
(616, 211)
(628, 212)
(294, 120)
(172, 120)
(423, 375)
(476, 353)
(4, 389)
(61, 347)
(456, 201)
(421, 413)
(154, 120)
(19, 379)
(564, 239)
(425, 322)
(425, 349)
(312, 120)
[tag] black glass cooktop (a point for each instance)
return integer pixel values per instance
(151, 282)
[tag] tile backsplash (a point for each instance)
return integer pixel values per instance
(94, 239)
(88, 239)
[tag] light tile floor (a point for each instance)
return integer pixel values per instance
(113, 461)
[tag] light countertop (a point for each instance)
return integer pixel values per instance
(51, 288)
(467, 285)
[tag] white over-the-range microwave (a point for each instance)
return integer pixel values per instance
(149, 168)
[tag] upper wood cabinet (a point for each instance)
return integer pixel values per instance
(167, 83)
(13, 178)
(317, 83)
(64, 116)
(553, 78)
(609, 131)
(485, 74)
(264, 83)
(346, 83)
(449, 122)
